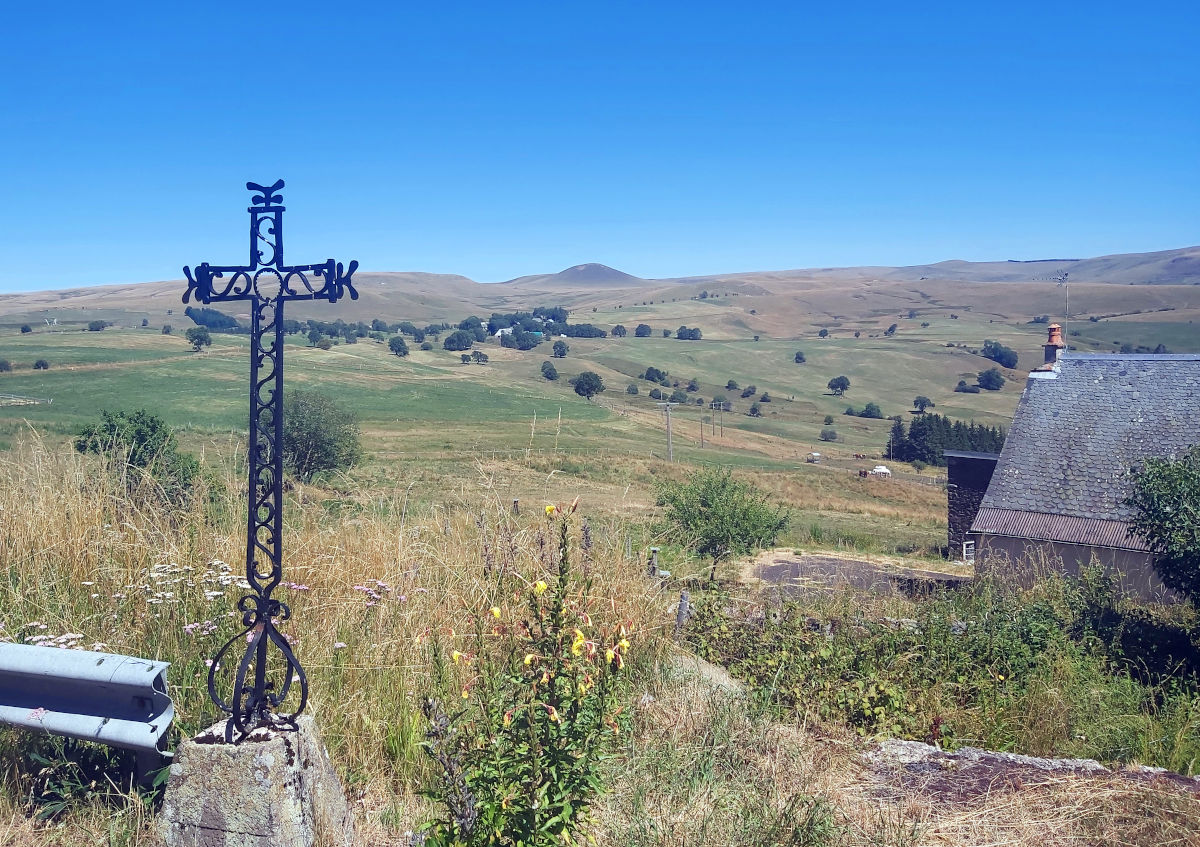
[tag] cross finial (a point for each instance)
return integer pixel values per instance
(267, 195)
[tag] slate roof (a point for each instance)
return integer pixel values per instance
(1076, 435)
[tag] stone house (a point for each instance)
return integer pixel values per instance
(1056, 491)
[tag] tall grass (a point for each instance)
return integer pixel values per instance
(92, 558)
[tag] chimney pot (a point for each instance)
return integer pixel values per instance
(1054, 344)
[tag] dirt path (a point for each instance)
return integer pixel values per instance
(823, 571)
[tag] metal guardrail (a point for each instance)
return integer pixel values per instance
(119, 701)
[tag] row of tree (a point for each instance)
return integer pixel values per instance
(929, 435)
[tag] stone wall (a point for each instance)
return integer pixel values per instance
(967, 479)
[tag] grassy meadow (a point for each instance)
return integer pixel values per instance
(391, 564)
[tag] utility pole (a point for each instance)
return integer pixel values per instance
(666, 407)
(702, 432)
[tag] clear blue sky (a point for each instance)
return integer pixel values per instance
(499, 139)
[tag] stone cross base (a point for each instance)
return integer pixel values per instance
(273, 789)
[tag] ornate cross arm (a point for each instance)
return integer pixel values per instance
(286, 283)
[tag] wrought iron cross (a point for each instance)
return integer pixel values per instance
(267, 283)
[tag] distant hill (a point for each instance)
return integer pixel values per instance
(782, 300)
(1165, 267)
(590, 274)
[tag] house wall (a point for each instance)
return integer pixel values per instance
(967, 483)
(1024, 557)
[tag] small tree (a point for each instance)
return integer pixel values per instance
(921, 402)
(26, 328)
(642, 331)
(198, 337)
(145, 322)
(41, 365)
(991, 379)
(588, 384)
(829, 434)
(871, 410)
(549, 372)
(466, 358)
(765, 398)
(631, 388)
(5, 366)
(655, 394)
(398, 345)
(560, 349)
(666, 333)
(96, 326)
(731, 385)
(839, 385)
(828, 420)
(824, 333)
(458, 340)
(750, 390)
(318, 434)
(755, 411)
(167, 329)
(619, 331)
(479, 357)
(1166, 515)
(721, 516)
(799, 358)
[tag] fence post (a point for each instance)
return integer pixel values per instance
(516, 506)
(652, 567)
(682, 614)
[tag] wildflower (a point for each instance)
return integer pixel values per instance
(551, 510)
(609, 655)
(623, 643)
(495, 610)
(539, 587)
(553, 713)
(339, 645)
(464, 694)
(529, 657)
(508, 722)
(456, 657)
(577, 644)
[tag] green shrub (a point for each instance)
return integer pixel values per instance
(522, 763)
(721, 516)
(318, 434)
(144, 441)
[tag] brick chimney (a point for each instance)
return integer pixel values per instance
(1054, 345)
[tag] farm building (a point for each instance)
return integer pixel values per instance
(1083, 422)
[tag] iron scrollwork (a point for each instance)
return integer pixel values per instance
(261, 683)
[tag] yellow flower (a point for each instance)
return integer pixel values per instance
(464, 694)
(609, 654)
(623, 644)
(553, 712)
(577, 644)
(456, 657)
(550, 510)
(529, 657)
(539, 587)
(495, 611)
(1000, 677)
(507, 722)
